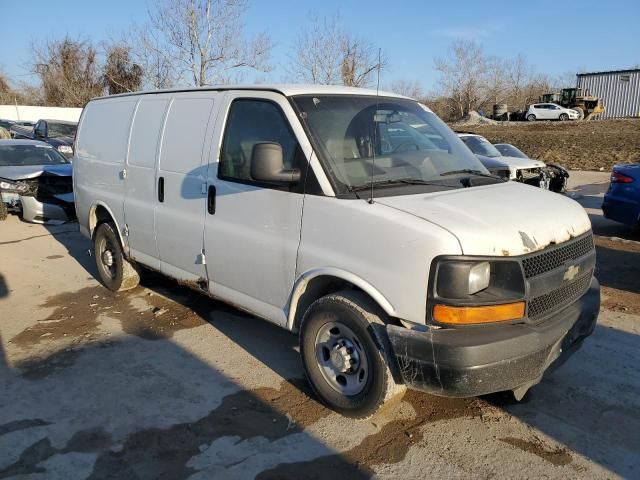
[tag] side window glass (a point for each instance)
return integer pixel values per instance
(250, 122)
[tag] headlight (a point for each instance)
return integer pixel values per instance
(65, 149)
(474, 290)
(13, 187)
(458, 279)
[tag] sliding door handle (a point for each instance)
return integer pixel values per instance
(211, 200)
(161, 189)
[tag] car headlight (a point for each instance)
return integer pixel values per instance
(475, 290)
(13, 187)
(458, 279)
(65, 149)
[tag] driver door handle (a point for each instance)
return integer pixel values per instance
(211, 200)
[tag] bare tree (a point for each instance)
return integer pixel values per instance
(68, 71)
(121, 73)
(463, 76)
(326, 53)
(202, 42)
(408, 88)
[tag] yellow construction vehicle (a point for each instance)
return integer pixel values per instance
(586, 105)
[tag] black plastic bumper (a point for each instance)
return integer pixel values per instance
(466, 362)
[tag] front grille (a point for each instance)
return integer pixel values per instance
(560, 297)
(525, 174)
(551, 259)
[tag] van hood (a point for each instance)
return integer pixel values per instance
(505, 219)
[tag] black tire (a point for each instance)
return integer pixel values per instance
(114, 270)
(361, 317)
(563, 117)
(531, 117)
(4, 211)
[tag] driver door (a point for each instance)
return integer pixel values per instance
(252, 229)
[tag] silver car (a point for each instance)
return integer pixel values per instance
(35, 182)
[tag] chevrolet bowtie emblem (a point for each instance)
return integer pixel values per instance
(571, 272)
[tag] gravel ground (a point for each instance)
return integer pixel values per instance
(161, 382)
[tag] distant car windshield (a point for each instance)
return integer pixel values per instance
(384, 141)
(508, 150)
(61, 129)
(29, 155)
(481, 146)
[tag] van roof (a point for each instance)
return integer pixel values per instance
(285, 89)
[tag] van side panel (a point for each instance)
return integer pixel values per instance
(101, 149)
(140, 197)
(388, 249)
(179, 216)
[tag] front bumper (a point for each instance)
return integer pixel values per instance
(466, 362)
(36, 211)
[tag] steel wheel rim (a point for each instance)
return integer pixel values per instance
(107, 257)
(341, 358)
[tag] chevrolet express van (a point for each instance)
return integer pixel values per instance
(357, 219)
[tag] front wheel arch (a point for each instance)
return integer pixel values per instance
(317, 283)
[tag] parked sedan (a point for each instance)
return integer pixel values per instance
(557, 175)
(495, 167)
(35, 181)
(523, 170)
(550, 111)
(622, 200)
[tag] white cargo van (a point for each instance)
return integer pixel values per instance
(359, 220)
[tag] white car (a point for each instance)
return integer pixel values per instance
(389, 248)
(525, 170)
(550, 111)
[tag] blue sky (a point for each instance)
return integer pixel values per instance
(596, 35)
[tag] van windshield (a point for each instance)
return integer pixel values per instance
(387, 141)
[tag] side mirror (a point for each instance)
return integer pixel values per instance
(267, 164)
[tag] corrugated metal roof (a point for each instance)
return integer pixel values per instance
(631, 70)
(619, 92)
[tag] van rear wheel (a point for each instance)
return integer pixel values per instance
(115, 271)
(344, 354)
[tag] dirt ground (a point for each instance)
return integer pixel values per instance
(162, 382)
(576, 145)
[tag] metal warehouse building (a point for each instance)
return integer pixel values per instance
(619, 91)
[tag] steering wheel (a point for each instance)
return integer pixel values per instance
(406, 144)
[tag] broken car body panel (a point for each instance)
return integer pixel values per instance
(49, 188)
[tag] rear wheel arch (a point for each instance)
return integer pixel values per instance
(100, 213)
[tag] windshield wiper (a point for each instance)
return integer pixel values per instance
(397, 181)
(467, 170)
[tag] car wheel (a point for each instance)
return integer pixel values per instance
(115, 271)
(4, 211)
(345, 354)
(531, 117)
(563, 117)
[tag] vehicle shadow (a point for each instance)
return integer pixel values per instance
(592, 403)
(77, 246)
(163, 413)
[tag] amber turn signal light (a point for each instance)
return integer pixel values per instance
(475, 315)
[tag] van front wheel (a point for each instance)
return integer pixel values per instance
(344, 354)
(115, 271)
